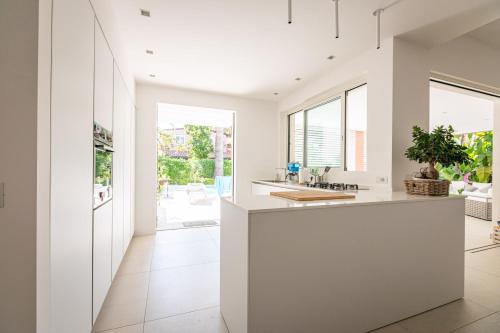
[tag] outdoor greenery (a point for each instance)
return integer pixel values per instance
(181, 172)
(439, 146)
(199, 166)
(103, 167)
(200, 143)
(479, 147)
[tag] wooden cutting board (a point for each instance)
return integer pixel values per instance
(312, 195)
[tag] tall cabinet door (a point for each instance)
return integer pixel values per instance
(118, 170)
(103, 81)
(103, 228)
(72, 165)
(127, 169)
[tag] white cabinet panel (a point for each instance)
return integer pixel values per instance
(103, 228)
(103, 81)
(132, 169)
(126, 179)
(119, 104)
(72, 165)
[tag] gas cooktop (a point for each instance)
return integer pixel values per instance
(334, 186)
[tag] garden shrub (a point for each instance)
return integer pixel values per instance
(181, 172)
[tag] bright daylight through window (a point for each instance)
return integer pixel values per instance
(316, 134)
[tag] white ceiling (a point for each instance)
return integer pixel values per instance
(464, 110)
(246, 48)
(488, 34)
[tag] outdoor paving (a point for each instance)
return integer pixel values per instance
(177, 206)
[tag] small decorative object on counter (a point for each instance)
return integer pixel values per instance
(438, 146)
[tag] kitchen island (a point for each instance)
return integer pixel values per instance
(350, 265)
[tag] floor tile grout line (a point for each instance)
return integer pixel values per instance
(483, 271)
(147, 293)
(474, 321)
(117, 328)
(183, 313)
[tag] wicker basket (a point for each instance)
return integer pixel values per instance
(427, 187)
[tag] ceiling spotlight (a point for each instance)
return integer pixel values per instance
(145, 12)
(331, 57)
(298, 79)
(149, 52)
(152, 75)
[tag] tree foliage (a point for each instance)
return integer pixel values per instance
(200, 141)
(479, 167)
(438, 146)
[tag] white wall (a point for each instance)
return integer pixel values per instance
(398, 97)
(375, 67)
(18, 166)
(43, 299)
(410, 105)
(495, 209)
(256, 142)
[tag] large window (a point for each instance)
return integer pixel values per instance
(356, 116)
(316, 134)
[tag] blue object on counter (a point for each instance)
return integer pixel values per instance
(293, 167)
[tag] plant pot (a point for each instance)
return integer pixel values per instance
(427, 187)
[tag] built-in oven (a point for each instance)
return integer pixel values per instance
(103, 165)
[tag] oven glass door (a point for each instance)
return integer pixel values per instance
(103, 176)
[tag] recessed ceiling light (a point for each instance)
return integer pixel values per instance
(298, 79)
(152, 75)
(149, 52)
(145, 12)
(331, 57)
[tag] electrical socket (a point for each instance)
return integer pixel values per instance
(382, 180)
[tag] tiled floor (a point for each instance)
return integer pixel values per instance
(166, 283)
(477, 232)
(169, 283)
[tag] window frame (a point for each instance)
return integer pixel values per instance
(319, 101)
(345, 127)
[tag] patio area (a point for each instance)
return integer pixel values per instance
(188, 206)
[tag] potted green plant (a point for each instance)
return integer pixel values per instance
(438, 146)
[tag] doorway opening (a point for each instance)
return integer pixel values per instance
(470, 113)
(195, 148)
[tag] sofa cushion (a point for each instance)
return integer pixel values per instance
(470, 188)
(476, 194)
(482, 187)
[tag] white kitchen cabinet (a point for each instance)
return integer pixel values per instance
(132, 168)
(103, 229)
(71, 165)
(119, 105)
(103, 81)
(127, 171)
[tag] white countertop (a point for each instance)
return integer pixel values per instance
(266, 203)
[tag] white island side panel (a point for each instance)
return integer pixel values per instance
(352, 268)
(234, 267)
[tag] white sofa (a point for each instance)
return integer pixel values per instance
(479, 190)
(478, 201)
